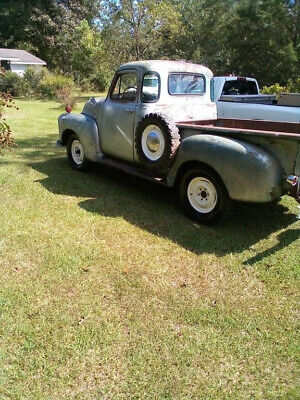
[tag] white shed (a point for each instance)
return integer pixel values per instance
(18, 60)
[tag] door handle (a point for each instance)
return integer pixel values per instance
(129, 110)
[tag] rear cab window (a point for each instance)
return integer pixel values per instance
(239, 87)
(186, 84)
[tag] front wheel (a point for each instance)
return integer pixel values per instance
(75, 153)
(202, 194)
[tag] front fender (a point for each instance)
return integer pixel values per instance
(86, 129)
(249, 172)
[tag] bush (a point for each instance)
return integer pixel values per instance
(291, 87)
(101, 80)
(6, 100)
(67, 96)
(53, 83)
(294, 86)
(32, 80)
(11, 82)
(274, 89)
(28, 85)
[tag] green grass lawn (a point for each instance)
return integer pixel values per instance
(107, 291)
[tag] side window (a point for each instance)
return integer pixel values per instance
(125, 88)
(150, 87)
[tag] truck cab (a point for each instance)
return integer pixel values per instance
(178, 90)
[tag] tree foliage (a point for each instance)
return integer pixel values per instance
(44, 27)
(89, 38)
(138, 28)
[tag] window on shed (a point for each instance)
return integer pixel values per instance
(186, 84)
(150, 88)
(5, 64)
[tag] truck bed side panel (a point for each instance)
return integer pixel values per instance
(249, 172)
(279, 139)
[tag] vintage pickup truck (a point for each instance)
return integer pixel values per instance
(239, 97)
(158, 122)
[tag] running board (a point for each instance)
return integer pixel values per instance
(131, 169)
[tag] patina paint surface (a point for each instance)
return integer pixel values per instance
(254, 165)
(249, 172)
(86, 129)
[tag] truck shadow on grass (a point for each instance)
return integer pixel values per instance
(111, 193)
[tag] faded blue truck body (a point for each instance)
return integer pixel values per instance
(254, 165)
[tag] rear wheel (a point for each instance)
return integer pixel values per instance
(202, 194)
(76, 154)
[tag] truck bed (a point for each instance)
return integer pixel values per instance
(288, 130)
(253, 98)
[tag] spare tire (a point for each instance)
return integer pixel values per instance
(156, 141)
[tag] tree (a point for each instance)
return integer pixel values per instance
(247, 37)
(89, 38)
(259, 43)
(44, 27)
(136, 29)
(201, 39)
(88, 61)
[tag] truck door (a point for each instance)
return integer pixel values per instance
(117, 122)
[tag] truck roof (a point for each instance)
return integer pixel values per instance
(167, 66)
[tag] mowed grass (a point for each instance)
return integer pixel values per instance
(107, 291)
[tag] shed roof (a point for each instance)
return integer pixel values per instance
(20, 57)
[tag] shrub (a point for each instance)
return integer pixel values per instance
(101, 80)
(52, 83)
(32, 80)
(294, 86)
(67, 96)
(274, 89)
(5, 135)
(85, 85)
(6, 100)
(11, 82)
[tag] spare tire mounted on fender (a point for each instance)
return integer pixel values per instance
(156, 141)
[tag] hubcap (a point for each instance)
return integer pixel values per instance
(153, 142)
(202, 194)
(77, 152)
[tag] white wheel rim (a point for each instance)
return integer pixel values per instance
(202, 194)
(153, 142)
(77, 152)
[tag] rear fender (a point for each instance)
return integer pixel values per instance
(85, 128)
(248, 172)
